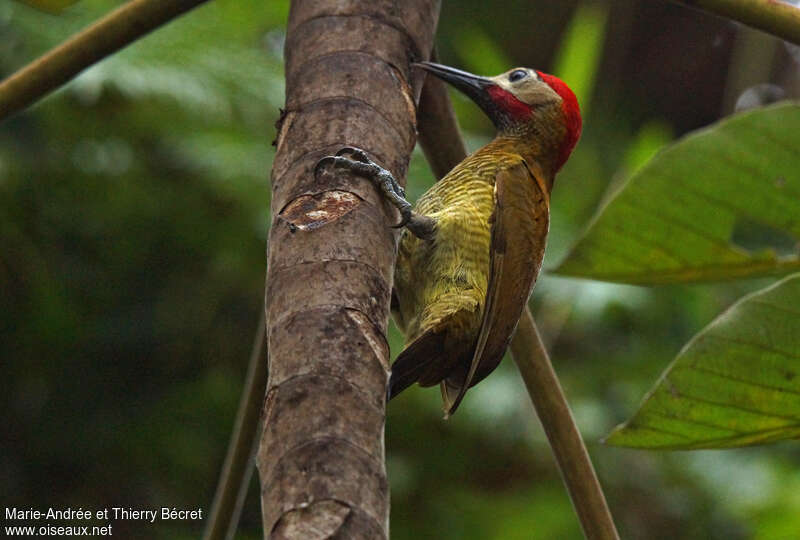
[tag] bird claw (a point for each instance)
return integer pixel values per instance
(340, 159)
(357, 153)
(405, 217)
(357, 162)
(400, 191)
(322, 162)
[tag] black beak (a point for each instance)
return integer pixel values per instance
(474, 86)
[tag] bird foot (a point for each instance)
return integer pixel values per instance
(357, 162)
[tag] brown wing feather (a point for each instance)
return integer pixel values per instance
(429, 358)
(414, 361)
(519, 231)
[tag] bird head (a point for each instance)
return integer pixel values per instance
(522, 101)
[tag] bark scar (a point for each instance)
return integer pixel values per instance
(408, 95)
(309, 212)
(373, 337)
(282, 125)
(266, 412)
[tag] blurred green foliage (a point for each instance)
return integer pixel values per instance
(133, 218)
(52, 6)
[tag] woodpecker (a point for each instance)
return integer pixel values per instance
(473, 245)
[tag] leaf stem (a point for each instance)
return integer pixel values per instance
(237, 470)
(772, 16)
(439, 136)
(573, 460)
(116, 30)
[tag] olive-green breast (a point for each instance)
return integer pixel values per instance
(435, 279)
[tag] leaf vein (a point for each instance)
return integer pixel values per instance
(776, 307)
(737, 379)
(737, 407)
(696, 422)
(768, 348)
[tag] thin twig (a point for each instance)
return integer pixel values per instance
(436, 123)
(238, 468)
(119, 28)
(444, 151)
(772, 16)
(565, 439)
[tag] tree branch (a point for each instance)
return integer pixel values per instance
(237, 469)
(331, 256)
(439, 136)
(772, 16)
(444, 148)
(119, 28)
(573, 460)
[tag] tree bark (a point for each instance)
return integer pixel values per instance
(330, 261)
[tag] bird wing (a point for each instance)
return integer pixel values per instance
(519, 225)
(429, 357)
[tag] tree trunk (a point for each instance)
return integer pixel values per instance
(331, 255)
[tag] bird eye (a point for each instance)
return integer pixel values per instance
(517, 75)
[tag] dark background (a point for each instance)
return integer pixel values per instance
(133, 219)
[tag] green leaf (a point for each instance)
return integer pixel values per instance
(721, 203)
(736, 383)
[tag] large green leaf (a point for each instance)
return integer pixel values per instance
(736, 383)
(721, 203)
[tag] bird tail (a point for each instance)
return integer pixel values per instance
(415, 361)
(450, 393)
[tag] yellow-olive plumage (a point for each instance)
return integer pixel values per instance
(461, 290)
